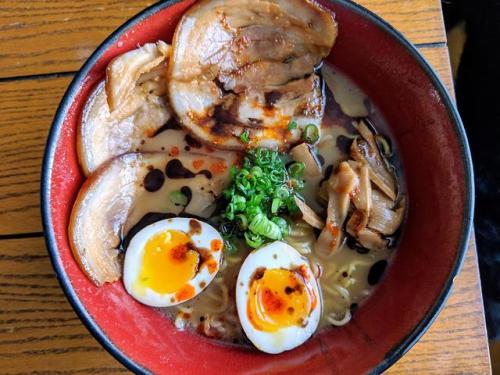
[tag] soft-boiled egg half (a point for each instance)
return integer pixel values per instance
(171, 261)
(277, 297)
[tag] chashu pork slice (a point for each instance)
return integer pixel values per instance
(251, 72)
(127, 108)
(114, 198)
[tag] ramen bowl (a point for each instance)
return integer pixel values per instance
(438, 177)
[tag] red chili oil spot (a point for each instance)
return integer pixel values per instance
(216, 245)
(186, 292)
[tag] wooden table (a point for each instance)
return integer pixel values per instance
(42, 44)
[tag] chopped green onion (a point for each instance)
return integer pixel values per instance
(245, 136)
(253, 240)
(282, 193)
(265, 227)
(292, 125)
(311, 134)
(242, 221)
(275, 205)
(262, 190)
(282, 223)
(296, 169)
(178, 198)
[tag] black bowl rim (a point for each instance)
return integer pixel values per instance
(399, 349)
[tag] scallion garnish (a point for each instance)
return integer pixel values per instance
(311, 134)
(260, 196)
(178, 198)
(245, 136)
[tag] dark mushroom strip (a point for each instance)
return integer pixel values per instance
(341, 185)
(361, 197)
(371, 240)
(305, 154)
(365, 150)
(308, 214)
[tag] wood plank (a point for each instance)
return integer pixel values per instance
(438, 57)
(39, 37)
(26, 112)
(421, 21)
(39, 331)
(55, 36)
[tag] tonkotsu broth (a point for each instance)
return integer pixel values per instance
(344, 275)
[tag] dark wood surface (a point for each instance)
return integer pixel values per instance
(42, 44)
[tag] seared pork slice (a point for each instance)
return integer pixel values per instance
(133, 75)
(101, 136)
(120, 193)
(127, 109)
(251, 72)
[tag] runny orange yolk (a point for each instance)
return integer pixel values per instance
(278, 299)
(168, 262)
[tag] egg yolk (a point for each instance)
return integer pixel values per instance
(168, 262)
(279, 298)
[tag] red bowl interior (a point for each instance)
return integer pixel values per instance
(435, 158)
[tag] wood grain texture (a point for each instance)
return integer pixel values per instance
(421, 21)
(39, 37)
(26, 112)
(39, 331)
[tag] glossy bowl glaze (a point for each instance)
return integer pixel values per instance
(437, 165)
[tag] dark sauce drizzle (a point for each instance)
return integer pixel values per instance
(170, 124)
(154, 180)
(376, 272)
(176, 170)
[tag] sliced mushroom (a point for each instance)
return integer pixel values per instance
(342, 183)
(252, 72)
(119, 194)
(123, 77)
(361, 198)
(308, 214)
(305, 154)
(384, 217)
(365, 150)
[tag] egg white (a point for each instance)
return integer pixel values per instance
(135, 254)
(275, 255)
